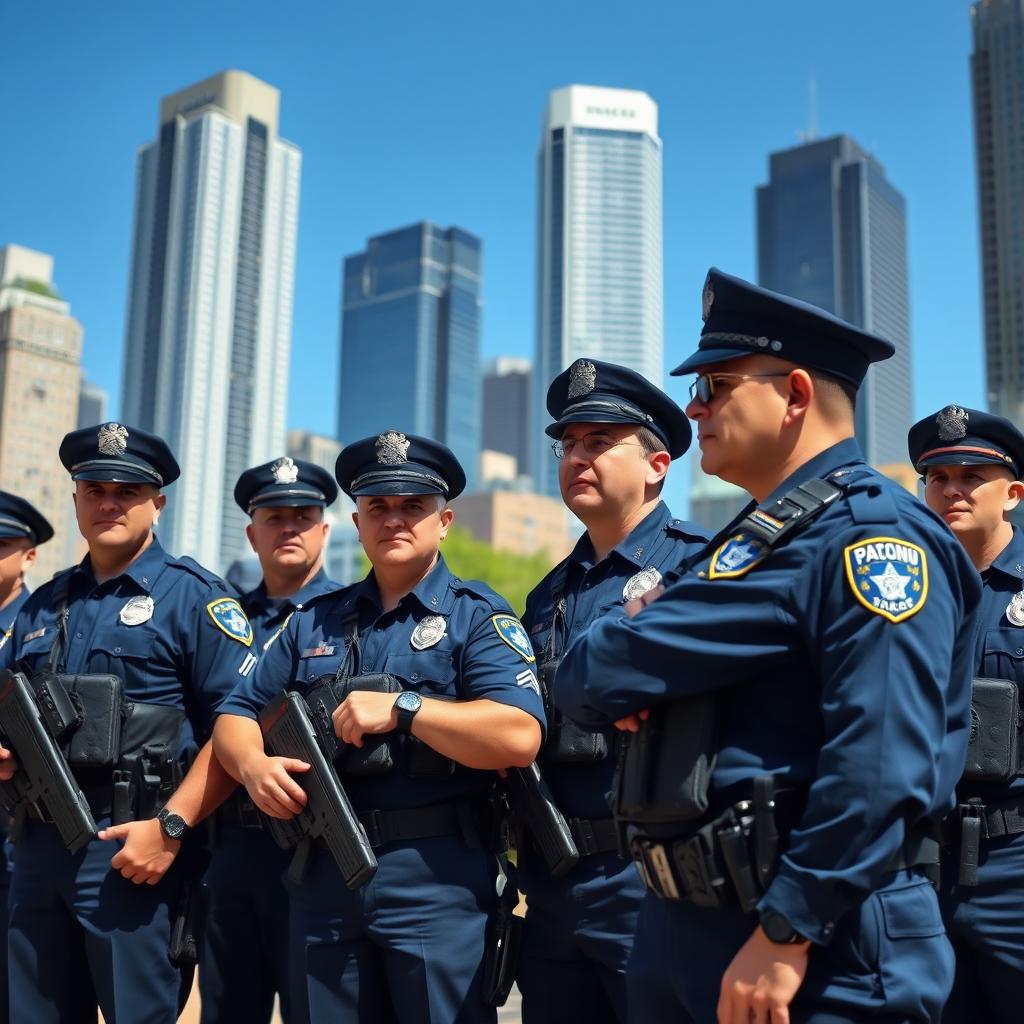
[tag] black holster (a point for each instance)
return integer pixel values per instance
(995, 747)
(501, 956)
(85, 713)
(190, 909)
(567, 742)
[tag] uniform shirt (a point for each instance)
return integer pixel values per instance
(590, 590)
(820, 686)
(1000, 644)
(269, 614)
(472, 661)
(188, 653)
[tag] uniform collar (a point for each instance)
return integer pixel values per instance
(821, 465)
(143, 572)
(1010, 560)
(321, 583)
(632, 548)
(434, 592)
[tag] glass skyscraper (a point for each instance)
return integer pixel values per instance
(599, 249)
(410, 339)
(997, 76)
(832, 230)
(208, 330)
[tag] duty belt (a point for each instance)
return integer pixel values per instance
(973, 821)
(457, 818)
(594, 835)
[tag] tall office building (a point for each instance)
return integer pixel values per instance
(40, 348)
(506, 402)
(92, 404)
(599, 251)
(997, 76)
(832, 230)
(208, 329)
(410, 339)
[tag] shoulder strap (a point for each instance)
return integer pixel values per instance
(351, 662)
(58, 649)
(771, 523)
(558, 577)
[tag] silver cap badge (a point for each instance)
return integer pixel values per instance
(638, 584)
(137, 611)
(582, 378)
(428, 632)
(284, 471)
(392, 448)
(113, 439)
(707, 299)
(1015, 609)
(952, 423)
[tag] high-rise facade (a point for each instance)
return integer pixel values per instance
(40, 349)
(599, 243)
(92, 404)
(997, 77)
(410, 339)
(506, 401)
(832, 231)
(208, 328)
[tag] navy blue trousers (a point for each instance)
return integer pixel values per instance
(889, 960)
(986, 926)
(578, 937)
(244, 959)
(81, 936)
(407, 948)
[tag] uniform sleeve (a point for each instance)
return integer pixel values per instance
(273, 673)
(498, 664)
(894, 711)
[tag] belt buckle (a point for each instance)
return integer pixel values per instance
(655, 867)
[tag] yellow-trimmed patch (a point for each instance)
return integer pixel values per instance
(889, 576)
(228, 616)
(737, 556)
(510, 629)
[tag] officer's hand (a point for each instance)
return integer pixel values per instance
(147, 853)
(761, 981)
(631, 723)
(364, 712)
(631, 607)
(8, 765)
(271, 786)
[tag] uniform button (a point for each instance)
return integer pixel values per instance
(145, 579)
(414, 676)
(1019, 651)
(117, 650)
(829, 927)
(78, 636)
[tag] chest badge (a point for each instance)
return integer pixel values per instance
(137, 611)
(1015, 609)
(737, 556)
(428, 631)
(638, 584)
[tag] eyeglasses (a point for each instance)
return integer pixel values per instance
(703, 388)
(594, 444)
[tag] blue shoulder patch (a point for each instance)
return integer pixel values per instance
(510, 629)
(228, 616)
(737, 556)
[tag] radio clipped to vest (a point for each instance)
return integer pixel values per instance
(995, 747)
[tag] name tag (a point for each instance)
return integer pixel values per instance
(318, 652)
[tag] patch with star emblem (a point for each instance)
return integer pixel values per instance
(889, 576)
(228, 616)
(510, 629)
(737, 556)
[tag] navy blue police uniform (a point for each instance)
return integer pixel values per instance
(579, 928)
(19, 520)
(81, 935)
(408, 946)
(982, 893)
(244, 960)
(824, 640)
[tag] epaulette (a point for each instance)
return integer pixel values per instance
(190, 565)
(868, 495)
(684, 528)
(480, 589)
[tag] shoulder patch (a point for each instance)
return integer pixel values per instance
(228, 616)
(889, 576)
(510, 629)
(737, 556)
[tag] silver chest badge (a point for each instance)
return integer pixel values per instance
(428, 632)
(638, 584)
(1015, 609)
(137, 611)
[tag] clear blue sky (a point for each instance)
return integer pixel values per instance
(406, 110)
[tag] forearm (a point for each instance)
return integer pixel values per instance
(206, 786)
(236, 741)
(479, 734)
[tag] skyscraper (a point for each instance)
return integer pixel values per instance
(832, 230)
(997, 76)
(410, 339)
(599, 252)
(40, 347)
(92, 404)
(208, 329)
(506, 398)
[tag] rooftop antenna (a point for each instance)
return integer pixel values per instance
(810, 133)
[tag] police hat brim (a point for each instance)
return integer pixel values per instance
(119, 474)
(557, 428)
(288, 500)
(394, 485)
(709, 356)
(964, 458)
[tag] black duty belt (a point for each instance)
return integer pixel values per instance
(594, 835)
(384, 827)
(974, 821)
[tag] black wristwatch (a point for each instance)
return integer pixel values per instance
(407, 705)
(779, 930)
(172, 825)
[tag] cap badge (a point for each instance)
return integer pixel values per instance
(952, 423)
(707, 299)
(638, 584)
(284, 471)
(428, 631)
(582, 378)
(113, 439)
(392, 448)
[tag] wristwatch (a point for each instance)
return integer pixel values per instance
(172, 825)
(779, 930)
(407, 705)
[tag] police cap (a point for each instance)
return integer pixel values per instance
(285, 482)
(956, 436)
(20, 519)
(397, 463)
(116, 453)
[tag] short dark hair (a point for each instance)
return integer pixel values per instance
(834, 388)
(649, 441)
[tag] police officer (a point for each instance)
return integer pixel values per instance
(245, 949)
(615, 437)
(972, 464)
(22, 527)
(814, 665)
(94, 927)
(458, 699)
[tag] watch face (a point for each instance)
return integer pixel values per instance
(173, 824)
(408, 701)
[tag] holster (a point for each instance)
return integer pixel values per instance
(501, 956)
(567, 742)
(190, 910)
(148, 770)
(993, 753)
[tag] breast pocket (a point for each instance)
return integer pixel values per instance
(424, 671)
(131, 654)
(1003, 656)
